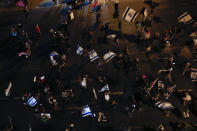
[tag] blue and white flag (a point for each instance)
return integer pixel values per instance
(32, 101)
(79, 50)
(93, 55)
(164, 105)
(107, 57)
(193, 74)
(105, 88)
(185, 18)
(53, 61)
(112, 36)
(129, 14)
(86, 111)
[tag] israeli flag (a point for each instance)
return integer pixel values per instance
(79, 50)
(86, 111)
(129, 14)
(107, 57)
(111, 36)
(93, 56)
(45, 115)
(193, 74)
(105, 88)
(185, 18)
(53, 61)
(164, 105)
(32, 101)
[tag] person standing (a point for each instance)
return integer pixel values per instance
(120, 26)
(26, 2)
(26, 10)
(97, 17)
(37, 29)
(187, 99)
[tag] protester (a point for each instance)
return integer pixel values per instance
(58, 88)
(187, 99)
(37, 29)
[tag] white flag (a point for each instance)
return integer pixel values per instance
(86, 111)
(32, 101)
(164, 105)
(104, 88)
(129, 14)
(93, 55)
(79, 50)
(185, 18)
(107, 57)
(111, 36)
(45, 115)
(7, 91)
(53, 61)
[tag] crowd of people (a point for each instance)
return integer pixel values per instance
(52, 91)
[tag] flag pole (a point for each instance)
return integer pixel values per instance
(10, 122)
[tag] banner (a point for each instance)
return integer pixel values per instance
(193, 74)
(129, 14)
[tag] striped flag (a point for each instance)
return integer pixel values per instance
(107, 57)
(32, 101)
(164, 105)
(79, 50)
(86, 111)
(129, 14)
(52, 55)
(193, 74)
(185, 18)
(93, 55)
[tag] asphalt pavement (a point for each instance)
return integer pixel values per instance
(21, 72)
